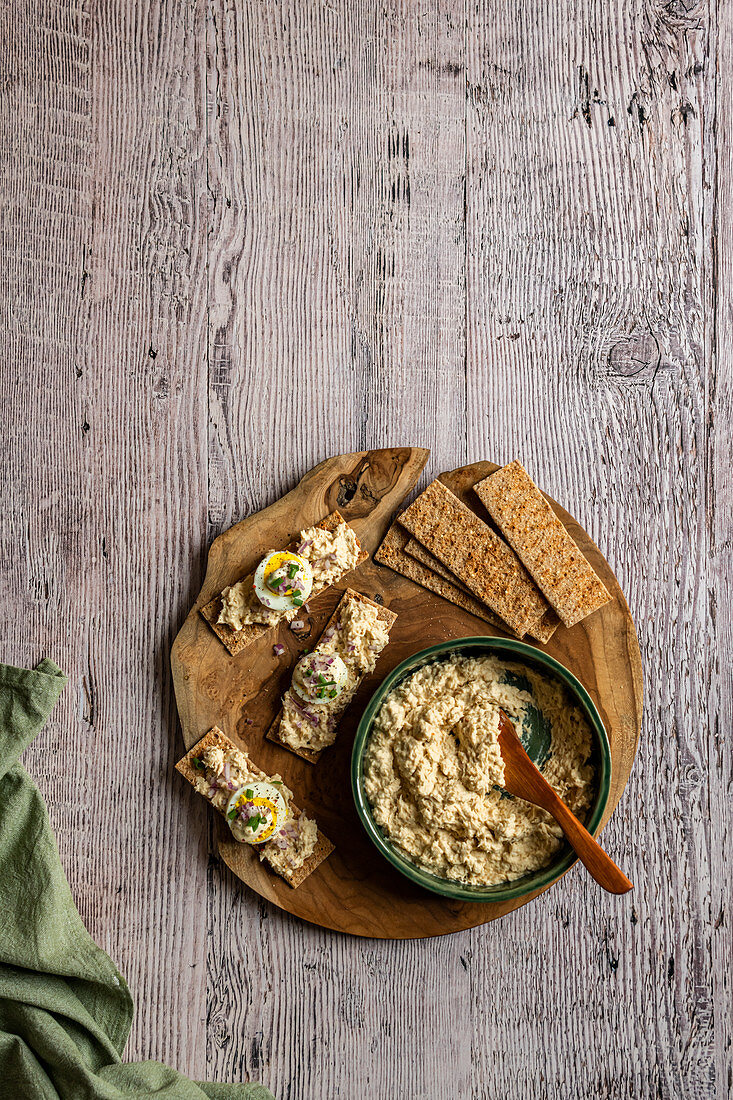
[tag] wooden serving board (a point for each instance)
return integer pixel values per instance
(355, 890)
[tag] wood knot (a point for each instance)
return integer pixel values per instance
(635, 358)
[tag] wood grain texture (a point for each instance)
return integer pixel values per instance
(355, 891)
(104, 422)
(239, 237)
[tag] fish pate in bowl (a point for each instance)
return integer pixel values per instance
(427, 771)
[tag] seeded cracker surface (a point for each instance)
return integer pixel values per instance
(528, 523)
(479, 558)
(393, 553)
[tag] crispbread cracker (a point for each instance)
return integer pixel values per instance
(528, 523)
(237, 640)
(416, 550)
(393, 554)
(479, 558)
(546, 627)
(386, 616)
(216, 739)
(543, 631)
(322, 851)
(273, 734)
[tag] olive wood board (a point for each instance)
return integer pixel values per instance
(355, 890)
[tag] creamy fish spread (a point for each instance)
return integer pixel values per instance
(433, 769)
(221, 774)
(354, 640)
(330, 554)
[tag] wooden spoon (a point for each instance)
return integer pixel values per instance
(523, 779)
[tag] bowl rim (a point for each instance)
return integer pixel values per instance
(516, 888)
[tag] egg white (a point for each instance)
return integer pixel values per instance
(336, 672)
(282, 601)
(262, 792)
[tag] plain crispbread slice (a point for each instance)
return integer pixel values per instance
(547, 626)
(479, 558)
(393, 553)
(428, 571)
(237, 640)
(540, 539)
(416, 550)
(216, 739)
(386, 616)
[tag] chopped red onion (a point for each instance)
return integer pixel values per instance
(278, 649)
(302, 710)
(298, 624)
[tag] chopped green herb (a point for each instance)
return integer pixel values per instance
(332, 694)
(249, 793)
(321, 678)
(196, 762)
(254, 822)
(277, 782)
(298, 601)
(292, 569)
(232, 814)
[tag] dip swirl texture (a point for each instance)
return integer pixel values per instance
(433, 770)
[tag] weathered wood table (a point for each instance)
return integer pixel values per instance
(239, 237)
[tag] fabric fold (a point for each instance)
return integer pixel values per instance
(65, 1010)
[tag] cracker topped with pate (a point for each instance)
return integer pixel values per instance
(258, 808)
(283, 581)
(325, 681)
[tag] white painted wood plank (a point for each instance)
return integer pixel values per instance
(717, 763)
(253, 217)
(588, 277)
(336, 161)
(104, 423)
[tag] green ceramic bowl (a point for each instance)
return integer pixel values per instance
(535, 738)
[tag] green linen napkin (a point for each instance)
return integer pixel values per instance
(65, 1011)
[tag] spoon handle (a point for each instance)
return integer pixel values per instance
(589, 852)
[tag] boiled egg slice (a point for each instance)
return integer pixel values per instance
(283, 580)
(320, 677)
(256, 812)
